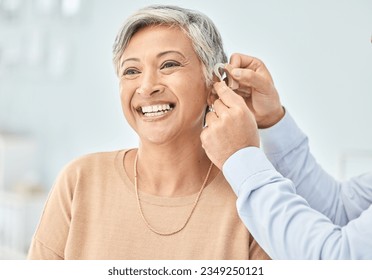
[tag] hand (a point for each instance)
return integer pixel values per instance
(230, 128)
(257, 88)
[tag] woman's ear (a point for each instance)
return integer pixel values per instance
(212, 96)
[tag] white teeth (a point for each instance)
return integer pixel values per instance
(155, 114)
(156, 110)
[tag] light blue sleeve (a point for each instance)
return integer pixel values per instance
(286, 146)
(282, 222)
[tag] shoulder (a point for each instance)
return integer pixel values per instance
(221, 190)
(93, 161)
(94, 158)
(91, 166)
(88, 171)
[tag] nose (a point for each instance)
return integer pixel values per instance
(149, 84)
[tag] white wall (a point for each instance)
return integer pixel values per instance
(319, 54)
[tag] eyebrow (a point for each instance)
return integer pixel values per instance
(168, 52)
(129, 59)
(158, 56)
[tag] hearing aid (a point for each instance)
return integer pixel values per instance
(222, 72)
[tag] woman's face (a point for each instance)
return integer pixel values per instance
(162, 86)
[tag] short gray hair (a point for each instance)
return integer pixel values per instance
(206, 39)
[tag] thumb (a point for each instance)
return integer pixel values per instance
(228, 96)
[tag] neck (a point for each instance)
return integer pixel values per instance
(177, 171)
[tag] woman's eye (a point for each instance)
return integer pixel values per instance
(170, 64)
(130, 71)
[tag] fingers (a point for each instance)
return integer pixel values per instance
(249, 74)
(210, 118)
(244, 61)
(227, 96)
(251, 79)
(244, 65)
(257, 87)
(220, 109)
(228, 104)
(244, 92)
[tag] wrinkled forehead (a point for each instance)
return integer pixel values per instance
(176, 30)
(155, 39)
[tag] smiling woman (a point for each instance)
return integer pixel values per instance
(168, 74)
(165, 199)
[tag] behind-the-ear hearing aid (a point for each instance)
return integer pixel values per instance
(221, 70)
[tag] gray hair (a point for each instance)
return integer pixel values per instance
(206, 39)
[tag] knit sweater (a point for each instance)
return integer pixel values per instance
(92, 213)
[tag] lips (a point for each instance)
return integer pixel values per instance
(156, 110)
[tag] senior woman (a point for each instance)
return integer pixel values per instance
(164, 200)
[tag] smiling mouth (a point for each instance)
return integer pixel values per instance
(156, 110)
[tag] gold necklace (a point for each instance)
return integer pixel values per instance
(192, 209)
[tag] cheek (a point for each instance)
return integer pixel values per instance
(125, 99)
(201, 93)
(194, 86)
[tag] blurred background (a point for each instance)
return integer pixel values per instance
(59, 93)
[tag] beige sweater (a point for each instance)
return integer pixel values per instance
(92, 213)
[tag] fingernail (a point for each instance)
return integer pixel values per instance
(236, 73)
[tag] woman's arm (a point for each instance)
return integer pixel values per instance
(51, 235)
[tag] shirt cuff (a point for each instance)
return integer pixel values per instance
(244, 164)
(281, 137)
